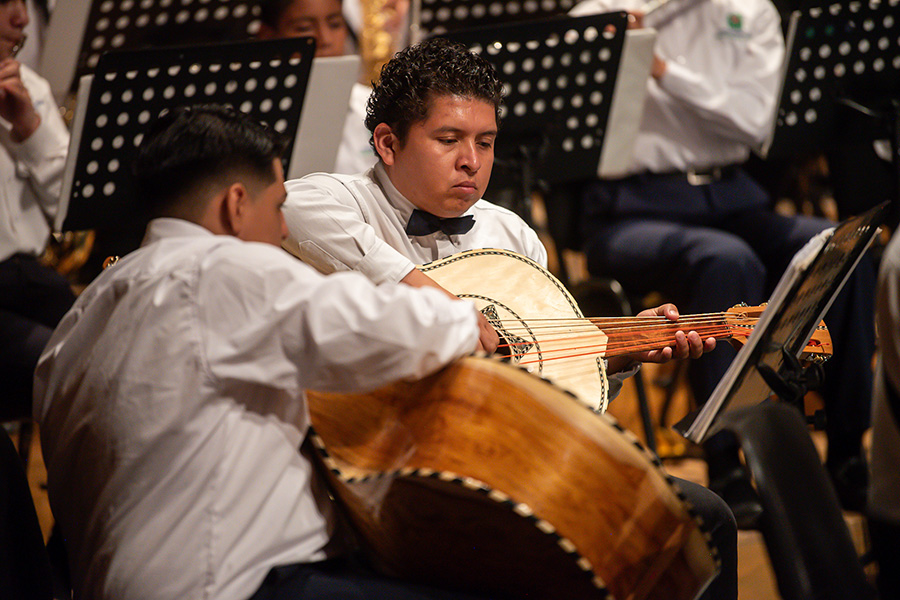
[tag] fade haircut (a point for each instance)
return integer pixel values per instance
(195, 146)
(418, 74)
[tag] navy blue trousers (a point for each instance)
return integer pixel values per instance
(33, 299)
(690, 243)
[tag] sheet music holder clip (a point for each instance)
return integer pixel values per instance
(792, 382)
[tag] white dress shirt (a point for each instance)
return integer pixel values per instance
(358, 223)
(31, 173)
(356, 154)
(171, 407)
(718, 95)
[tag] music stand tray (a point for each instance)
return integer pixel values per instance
(800, 300)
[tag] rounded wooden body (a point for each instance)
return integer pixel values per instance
(486, 478)
(514, 291)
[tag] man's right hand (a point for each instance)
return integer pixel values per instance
(15, 102)
(488, 340)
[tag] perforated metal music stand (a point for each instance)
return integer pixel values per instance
(571, 86)
(848, 50)
(266, 79)
(82, 30)
(435, 17)
(803, 295)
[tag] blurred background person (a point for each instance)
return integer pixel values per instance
(689, 222)
(33, 146)
(324, 20)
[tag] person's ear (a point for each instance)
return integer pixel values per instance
(386, 143)
(234, 207)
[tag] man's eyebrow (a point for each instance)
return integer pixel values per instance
(301, 20)
(450, 129)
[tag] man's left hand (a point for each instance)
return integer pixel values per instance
(687, 345)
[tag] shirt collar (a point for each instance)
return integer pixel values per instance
(397, 200)
(168, 227)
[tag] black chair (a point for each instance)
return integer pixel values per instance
(807, 539)
(25, 572)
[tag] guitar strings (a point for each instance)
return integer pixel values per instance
(653, 320)
(612, 347)
(620, 335)
(625, 335)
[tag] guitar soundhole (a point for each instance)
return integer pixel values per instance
(512, 347)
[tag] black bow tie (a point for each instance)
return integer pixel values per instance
(424, 223)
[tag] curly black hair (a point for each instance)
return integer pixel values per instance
(415, 75)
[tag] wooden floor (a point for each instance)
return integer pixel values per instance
(756, 581)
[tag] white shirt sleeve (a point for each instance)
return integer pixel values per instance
(735, 102)
(300, 330)
(42, 157)
(331, 232)
(717, 96)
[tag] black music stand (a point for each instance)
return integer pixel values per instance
(435, 17)
(266, 79)
(574, 89)
(767, 362)
(82, 30)
(839, 54)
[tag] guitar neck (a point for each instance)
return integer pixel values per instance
(640, 334)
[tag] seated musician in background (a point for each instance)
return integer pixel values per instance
(324, 21)
(170, 398)
(433, 116)
(689, 222)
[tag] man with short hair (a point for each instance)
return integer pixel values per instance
(171, 397)
(434, 117)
